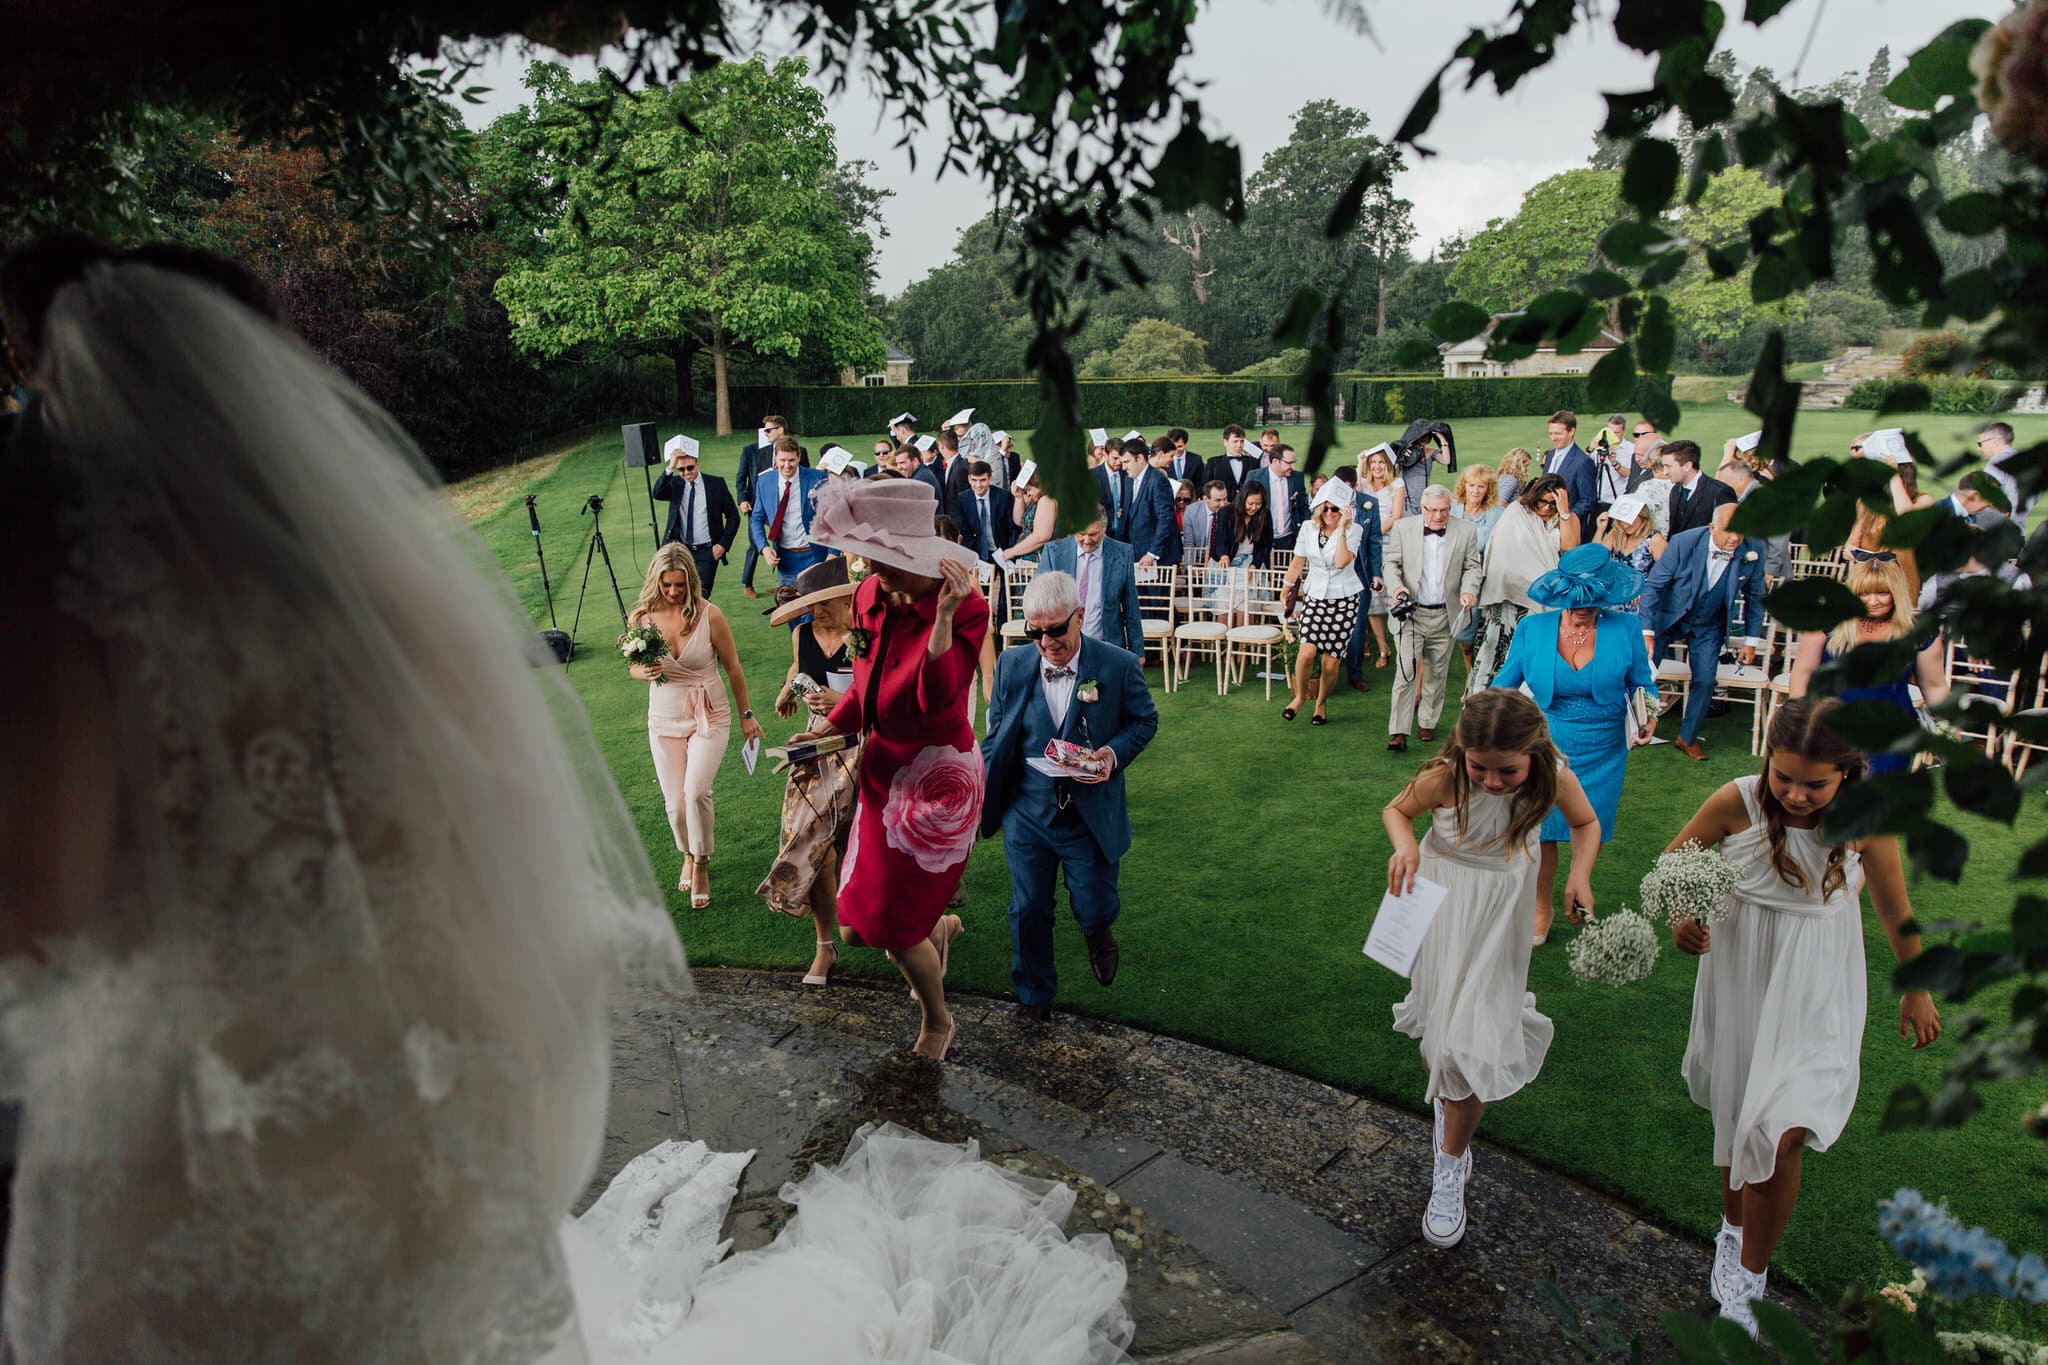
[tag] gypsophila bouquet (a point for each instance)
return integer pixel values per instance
(644, 645)
(1960, 1262)
(1689, 882)
(1614, 950)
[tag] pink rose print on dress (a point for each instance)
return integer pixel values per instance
(934, 806)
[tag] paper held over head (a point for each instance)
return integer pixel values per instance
(1402, 923)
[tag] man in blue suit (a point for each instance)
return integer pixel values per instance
(1690, 595)
(1090, 694)
(982, 512)
(1366, 516)
(785, 500)
(1150, 527)
(1286, 496)
(1108, 587)
(1581, 476)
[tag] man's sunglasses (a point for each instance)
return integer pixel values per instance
(1643, 433)
(1057, 632)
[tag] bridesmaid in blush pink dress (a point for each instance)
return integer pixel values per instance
(919, 621)
(688, 720)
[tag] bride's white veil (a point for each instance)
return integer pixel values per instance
(319, 1079)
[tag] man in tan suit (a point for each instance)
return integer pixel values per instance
(1434, 562)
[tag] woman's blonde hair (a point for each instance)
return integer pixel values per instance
(1876, 575)
(1622, 536)
(668, 559)
(1482, 475)
(1515, 462)
(1381, 456)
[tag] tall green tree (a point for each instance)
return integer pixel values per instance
(1710, 309)
(1151, 346)
(1552, 239)
(715, 218)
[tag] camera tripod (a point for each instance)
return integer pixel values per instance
(559, 644)
(594, 505)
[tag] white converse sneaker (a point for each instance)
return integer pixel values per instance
(1727, 1257)
(1744, 1288)
(1443, 1222)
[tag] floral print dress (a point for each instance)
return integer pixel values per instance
(920, 771)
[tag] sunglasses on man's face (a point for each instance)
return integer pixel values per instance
(1058, 632)
(1645, 433)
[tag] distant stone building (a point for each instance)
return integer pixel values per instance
(1467, 359)
(895, 370)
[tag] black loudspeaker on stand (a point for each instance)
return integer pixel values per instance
(643, 454)
(560, 645)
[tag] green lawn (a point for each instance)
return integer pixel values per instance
(1259, 858)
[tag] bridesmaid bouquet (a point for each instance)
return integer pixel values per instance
(643, 645)
(1614, 950)
(1689, 883)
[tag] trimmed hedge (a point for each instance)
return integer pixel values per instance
(1936, 393)
(1385, 400)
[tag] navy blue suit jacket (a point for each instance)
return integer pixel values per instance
(1581, 481)
(1676, 582)
(1367, 560)
(1149, 523)
(1002, 532)
(1123, 624)
(809, 483)
(1122, 718)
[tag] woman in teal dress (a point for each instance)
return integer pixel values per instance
(1582, 659)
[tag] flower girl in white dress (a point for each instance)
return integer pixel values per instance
(1778, 1010)
(1469, 1002)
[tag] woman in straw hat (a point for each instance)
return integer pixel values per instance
(817, 806)
(918, 624)
(1583, 660)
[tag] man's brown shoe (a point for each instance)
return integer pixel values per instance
(1695, 751)
(1398, 744)
(1429, 734)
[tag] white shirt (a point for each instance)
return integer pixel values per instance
(1614, 477)
(988, 541)
(1278, 500)
(1692, 483)
(1088, 574)
(1430, 592)
(795, 535)
(697, 522)
(1322, 580)
(1059, 692)
(2021, 512)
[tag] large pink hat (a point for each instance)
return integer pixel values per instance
(887, 521)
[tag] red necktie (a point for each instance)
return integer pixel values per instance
(775, 522)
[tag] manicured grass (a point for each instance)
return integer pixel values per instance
(1259, 859)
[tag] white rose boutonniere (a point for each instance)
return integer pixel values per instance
(1088, 692)
(1749, 557)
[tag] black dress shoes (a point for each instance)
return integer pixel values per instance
(1103, 955)
(1034, 1014)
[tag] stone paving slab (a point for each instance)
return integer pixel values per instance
(1264, 1217)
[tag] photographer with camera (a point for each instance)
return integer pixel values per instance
(1427, 559)
(701, 512)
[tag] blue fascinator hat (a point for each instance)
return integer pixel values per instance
(1588, 576)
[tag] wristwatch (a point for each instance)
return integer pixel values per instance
(747, 714)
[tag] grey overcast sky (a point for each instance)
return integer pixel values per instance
(1263, 59)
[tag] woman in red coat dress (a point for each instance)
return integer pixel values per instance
(919, 620)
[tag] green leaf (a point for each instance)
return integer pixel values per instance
(1660, 407)
(1613, 381)
(1782, 505)
(1602, 284)
(1938, 969)
(1457, 320)
(1906, 530)
(1650, 177)
(1423, 112)
(1373, 171)
(1757, 11)
(1632, 243)
(1417, 351)
(1907, 1108)
(1973, 215)
(1775, 278)
(1907, 395)
(1784, 1330)
(1938, 69)
(1982, 787)
(1813, 603)
(1301, 312)
(1656, 338)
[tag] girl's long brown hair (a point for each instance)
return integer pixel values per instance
(1801, 728)
(1504, 720)
(669, 558)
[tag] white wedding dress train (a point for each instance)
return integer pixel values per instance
(908, 1250)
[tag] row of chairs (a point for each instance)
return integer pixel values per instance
(1192, 613)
